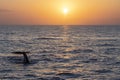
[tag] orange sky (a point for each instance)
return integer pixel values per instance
(50, 12)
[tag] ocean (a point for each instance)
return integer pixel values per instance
(60, 52)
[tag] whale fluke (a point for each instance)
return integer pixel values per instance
(26, 60)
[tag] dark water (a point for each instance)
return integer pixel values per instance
(60, 52)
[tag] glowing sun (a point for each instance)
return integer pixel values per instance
(65, 10)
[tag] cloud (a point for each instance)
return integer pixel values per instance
(5, 10)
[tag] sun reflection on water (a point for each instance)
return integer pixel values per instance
(67, 38)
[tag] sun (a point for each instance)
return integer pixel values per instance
(65, 10)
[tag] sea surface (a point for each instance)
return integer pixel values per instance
(60, 52)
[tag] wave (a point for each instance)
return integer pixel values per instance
(103, 71)
(80, 51)
(104, 45)
(112, 51)
(69, 75)
(47, 38)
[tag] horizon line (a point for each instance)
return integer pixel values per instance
(60, 25)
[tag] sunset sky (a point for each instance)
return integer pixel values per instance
(59, 12)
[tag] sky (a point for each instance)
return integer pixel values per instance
(51, 12)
